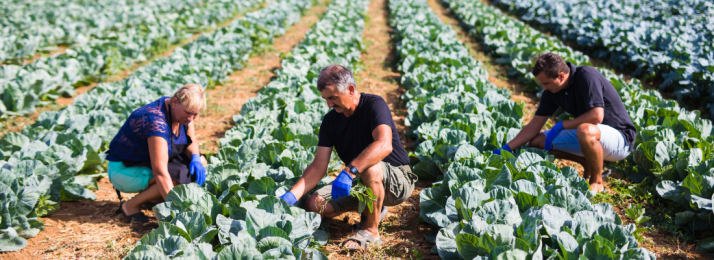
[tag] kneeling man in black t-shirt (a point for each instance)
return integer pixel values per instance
(361, 130)
(601, 129)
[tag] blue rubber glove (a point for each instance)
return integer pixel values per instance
(552, 134)
(342, 185)
(289, 197)
(196, 167)
(505, 147)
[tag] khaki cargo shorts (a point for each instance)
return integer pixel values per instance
(399, 182)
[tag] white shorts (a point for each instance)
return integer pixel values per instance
(614, 147)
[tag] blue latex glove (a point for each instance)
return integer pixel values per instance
(505, 147)
(552, 134)
(196, 167)
(342, 185)
(289, 197)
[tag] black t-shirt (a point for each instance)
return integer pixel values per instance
(352, 135)
(587, 89)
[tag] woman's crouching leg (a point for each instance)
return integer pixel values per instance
(151, 194)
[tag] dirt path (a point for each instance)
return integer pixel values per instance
(92, 229)
(226, 100)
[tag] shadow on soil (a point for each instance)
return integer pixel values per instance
(98, 212)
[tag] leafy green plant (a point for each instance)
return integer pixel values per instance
(192, 220)
(25, 191)
(45, 206)
(417, 255)
(364, 194)
(637, 214)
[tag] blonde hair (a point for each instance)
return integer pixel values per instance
(191, 96)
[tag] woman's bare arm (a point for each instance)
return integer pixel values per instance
(159, 154)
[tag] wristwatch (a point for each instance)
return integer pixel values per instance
(353, 169)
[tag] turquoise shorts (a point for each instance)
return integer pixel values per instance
(129, 179)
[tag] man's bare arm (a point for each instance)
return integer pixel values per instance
(313, 173)
(530, 131)
(594, 116)
(375, 152)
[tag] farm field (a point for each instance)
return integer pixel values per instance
(455, 75)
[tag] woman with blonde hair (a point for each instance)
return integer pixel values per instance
(156, 149)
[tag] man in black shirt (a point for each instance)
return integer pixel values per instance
(601, 130)
(361, 130)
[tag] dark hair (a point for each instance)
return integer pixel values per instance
(551, 64)
(335, 75)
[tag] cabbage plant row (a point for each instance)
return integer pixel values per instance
(24, 87)
(515, 206)
(238, 212)
(674, 147)
(30, 27)
(72, 141)
(671, 39)
(515, 43)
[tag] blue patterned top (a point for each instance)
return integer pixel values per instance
(131, 143)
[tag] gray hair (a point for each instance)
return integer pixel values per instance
(335, 75)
